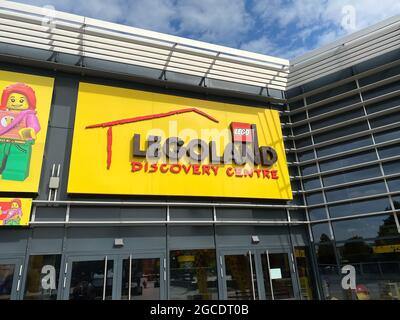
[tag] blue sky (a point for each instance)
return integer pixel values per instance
(282, 28)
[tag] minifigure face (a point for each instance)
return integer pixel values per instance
(14, 205)
(17, 101)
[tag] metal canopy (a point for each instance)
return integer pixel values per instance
(29, 26)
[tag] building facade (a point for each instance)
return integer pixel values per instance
(91, 232)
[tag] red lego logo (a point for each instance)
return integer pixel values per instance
(241, 132)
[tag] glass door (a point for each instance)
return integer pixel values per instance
(258, 274)
(89, 278)
(10, 278)
(278, 275)
(143, 277)
(240, 275)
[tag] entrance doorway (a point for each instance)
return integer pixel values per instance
(136, 276)
(10, 278)
(258, 275)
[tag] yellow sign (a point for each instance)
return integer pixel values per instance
(133, 142)
(15, 211)
(389, 248)
(24, 114)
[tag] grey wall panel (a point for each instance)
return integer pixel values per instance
(13, 240)
(64, 101)
(240, 236)
(191, 214)
(101, 239)
(190, 237)
(50, 213)
(55, 151)
(46, 240)
(143, 213)
(94, 213)
(143, 238)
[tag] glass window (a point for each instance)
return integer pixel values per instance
(310, 169)
(298, 215)
(389, 151)
(341, 132)
(396, 203)
(381, 90)
(193, 275)
(296, 104)
(385, 120)
(310, 184)
(350, 176)
(387, 135)
(334, 105)
(303, 142)
(392, 71)
(314, 198)
(377, 267)
(344, 146)
(337, 118)
(306, 278)
(365, 228)
(328, 271)
(394, 184)
(326, 254)
(331, 92)
(307, 155)
(298, 117)
(348, 160)
(144, 275)
(359, 207)
(42, 277)
(391, 167)
(321, 232)
(317, 214)
(87, 280)
(383, 105)
(301, 129)
(355, 191)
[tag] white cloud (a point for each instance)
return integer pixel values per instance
(260, 45)
(224, 21)
(157, 15)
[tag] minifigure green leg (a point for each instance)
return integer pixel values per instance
(18, 162)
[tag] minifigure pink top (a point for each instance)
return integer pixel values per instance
(20, 120)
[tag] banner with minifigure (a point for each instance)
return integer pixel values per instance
(24, 113)
(15, 211)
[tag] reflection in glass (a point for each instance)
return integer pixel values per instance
(371, 227)
(328, 271)
(281, 277)
(42, 278)
(6, 280)
(193, 275)
(87, 280)
(377, 265)
(303, 263)
(238, 277)
(145, 279)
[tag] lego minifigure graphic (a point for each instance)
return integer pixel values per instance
(19, 126)
(11, 212)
